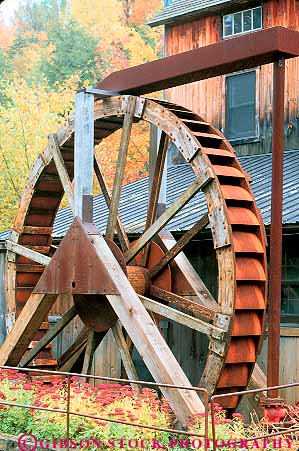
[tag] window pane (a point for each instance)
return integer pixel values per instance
(290, 299)
(237, 23)
(247, 20)
(241, 106)
(228, 25)
(257, 18)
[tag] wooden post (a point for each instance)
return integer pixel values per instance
(84, 143)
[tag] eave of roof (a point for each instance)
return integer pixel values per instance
(134, 198)
(184, 10)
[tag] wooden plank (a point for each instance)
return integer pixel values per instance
(68, 365)
(49, 336)
(182, 318)
(27, 252)
(186, 304)
(34, 343)
(84, 143)
(179, 203)
(200, 290)
(44, 363)
(179, 246)
(120, 168)
(30, 268)
(146, 336)
(26, 326)
(10, 282)
(40, 249)
(125, 353)
(36, 230)
(61, 169)
(3, 306)
(258, 377)
(155, 187)
(121, 233)
(289, 332)
(74, 348)
(107, 359)
(89, 351)
(93, 340)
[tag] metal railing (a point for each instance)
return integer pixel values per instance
(214, 398)
(68, 412)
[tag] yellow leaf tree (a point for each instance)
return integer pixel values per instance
(25, 123)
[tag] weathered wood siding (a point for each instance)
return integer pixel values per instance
(208, 97)
(204, 97)
(289, 361)
(2, 297)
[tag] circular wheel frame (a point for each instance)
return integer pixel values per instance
(236, 225)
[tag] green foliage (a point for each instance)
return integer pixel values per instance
(75, 52)
(51, 48)
(42, 15)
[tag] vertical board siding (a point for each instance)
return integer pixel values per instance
(289, 365)
(62, 342)
(196, 96)
(2, 297)
(207, 97)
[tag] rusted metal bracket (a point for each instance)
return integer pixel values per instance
(218, 347)
(100, 93)
(219, 227)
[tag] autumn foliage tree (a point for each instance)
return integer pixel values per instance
(50, 48)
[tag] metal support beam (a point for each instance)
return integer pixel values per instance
(229, 55)
(276, 225)
(84, 143)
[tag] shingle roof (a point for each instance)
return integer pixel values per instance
(134, 197)
(185, 9)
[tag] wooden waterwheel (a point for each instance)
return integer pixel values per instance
(134, 285)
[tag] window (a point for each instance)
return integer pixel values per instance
(242, 22)
(241, 106)
(290, 280)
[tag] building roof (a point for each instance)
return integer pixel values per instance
(134, 197)
(183, 10)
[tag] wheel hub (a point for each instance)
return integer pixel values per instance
(94, 309)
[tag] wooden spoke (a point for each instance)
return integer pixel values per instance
(145, 335)
(164, 218)
(61, 169)
(175, 315)
(25, 327)
(49, 336)
(201, 292)
(122, 236)
(28, 253)
(125, 353)
(120, 168)
(179, 246)
(68, 365)
(186, 304)
(89, 351)
(258, 378)
(93, 340)
(155, 187)
(74, 350)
